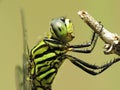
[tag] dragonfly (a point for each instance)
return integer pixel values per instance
(112, 40)
(42, 62)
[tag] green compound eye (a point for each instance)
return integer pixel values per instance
(58, 27)
(62, 29)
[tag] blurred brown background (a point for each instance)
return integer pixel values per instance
(38, 14)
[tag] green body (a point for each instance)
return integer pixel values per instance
(44, 63)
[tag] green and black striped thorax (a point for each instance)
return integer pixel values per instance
(48, 55)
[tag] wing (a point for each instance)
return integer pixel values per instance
(19, 77)
(26, 81)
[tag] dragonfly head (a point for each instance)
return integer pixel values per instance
(62, 29)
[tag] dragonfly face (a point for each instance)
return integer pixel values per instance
(62, 29)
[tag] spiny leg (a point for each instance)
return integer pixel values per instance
(87, 67)
(76, 48)
(93, 41)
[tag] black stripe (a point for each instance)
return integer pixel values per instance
(41, 68)
(46, 52)
(42, 54)
(44, 45)
(48, 59)
(48, 74)
(39, 74)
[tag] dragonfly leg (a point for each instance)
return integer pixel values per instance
(92, 43)
(89, 68)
